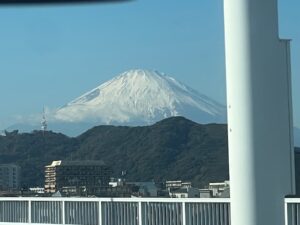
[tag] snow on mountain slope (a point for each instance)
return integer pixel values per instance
(140, 97)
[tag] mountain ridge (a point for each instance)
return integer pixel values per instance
(165, 150)
(174, 148)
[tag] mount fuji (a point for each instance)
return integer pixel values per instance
(140, 97)
(133, 98)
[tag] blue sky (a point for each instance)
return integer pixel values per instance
(50, 55)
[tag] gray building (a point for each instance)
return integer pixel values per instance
(179, 189)
(9, 177)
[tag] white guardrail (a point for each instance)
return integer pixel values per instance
(115, 211)
(292, 211)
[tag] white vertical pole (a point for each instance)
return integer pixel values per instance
(63, 212)
(140, 213)
(29, 211)
(259, 113)
(286, 216)
(100, 212)
(183, 214)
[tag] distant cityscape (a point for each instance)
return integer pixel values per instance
(92, 178)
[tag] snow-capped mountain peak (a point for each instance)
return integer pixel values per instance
(139, 97)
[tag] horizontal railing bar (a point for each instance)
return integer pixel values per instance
(68, 199)
(16, 223)
(292, 200)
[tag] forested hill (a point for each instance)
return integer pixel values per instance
(174, 148)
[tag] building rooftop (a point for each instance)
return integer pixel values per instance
(77, 163)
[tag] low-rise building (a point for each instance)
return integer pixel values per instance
(184, 192)
(220, 189)
(179, 189)
(177, 184)
(173, 184)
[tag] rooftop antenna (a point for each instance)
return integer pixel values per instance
(44, 122)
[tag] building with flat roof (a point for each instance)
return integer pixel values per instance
(179, 189)
(71, 177)
(177, 184)
(220, 189)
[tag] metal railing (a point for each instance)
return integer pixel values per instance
(126, 211)
(292, 211)
(115, 211)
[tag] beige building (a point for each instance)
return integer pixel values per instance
(71, 176)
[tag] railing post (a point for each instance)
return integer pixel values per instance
(29, 211)
(286, 216)
(140, 213)
(183, 214)
(63, 217)
(100, 212)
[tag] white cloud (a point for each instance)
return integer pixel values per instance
(31, 119)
